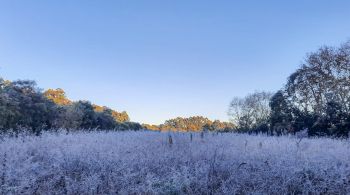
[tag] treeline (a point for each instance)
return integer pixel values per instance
(196, 123)
(316, 98)
(25, 107)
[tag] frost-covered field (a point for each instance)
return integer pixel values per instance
(145, 163)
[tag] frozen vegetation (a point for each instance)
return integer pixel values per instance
(176, 163)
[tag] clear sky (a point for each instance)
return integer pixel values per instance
(162, 59)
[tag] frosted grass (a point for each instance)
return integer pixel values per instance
(145, 163)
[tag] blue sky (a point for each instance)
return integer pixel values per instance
(162, 59)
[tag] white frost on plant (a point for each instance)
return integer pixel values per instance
(145, 163)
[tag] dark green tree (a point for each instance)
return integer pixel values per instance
(26, 107)
(281, 117)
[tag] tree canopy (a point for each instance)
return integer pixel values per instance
(195, 123)
(316, 97)
(23, 106)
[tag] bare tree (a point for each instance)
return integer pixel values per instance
(251, 111)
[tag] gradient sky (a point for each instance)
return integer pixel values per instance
(162, 59)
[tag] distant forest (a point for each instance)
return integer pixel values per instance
(195, 123)
(24, 107)
(315, 98)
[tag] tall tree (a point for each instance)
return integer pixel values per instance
(26, 107)
(320, 90)
(323, 77)
(281, 117)
(250, 112)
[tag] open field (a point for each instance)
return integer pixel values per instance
(147, 163)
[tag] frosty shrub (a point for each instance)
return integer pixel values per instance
(143, 163)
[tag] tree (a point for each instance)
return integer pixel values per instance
(129, 126)
(105, 120)
(281, 117)
(323, 77)
(220, 126)
(334, 123)
(24, 106)
(58, 96)
(120, 116)
(151, 127)
(88, 118)
(69, 117)
(9, 111)
(195, 123)
(319, 91)
(250, 112)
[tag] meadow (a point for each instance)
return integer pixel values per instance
(146, 162)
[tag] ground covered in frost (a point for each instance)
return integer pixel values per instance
(176, 163)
